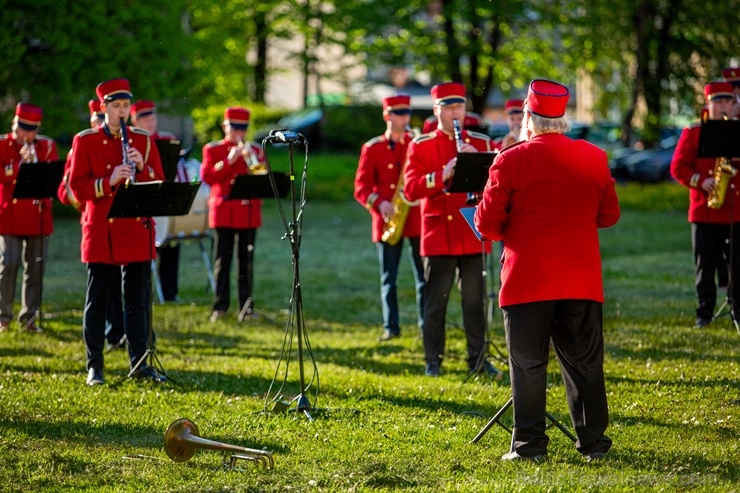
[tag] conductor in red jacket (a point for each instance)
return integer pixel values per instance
(114, 245)
(546, 197)
(25, 224)
(449, 248)
(376, 186)
(235, 221)
(710, 226)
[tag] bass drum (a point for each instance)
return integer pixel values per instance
(192, 225)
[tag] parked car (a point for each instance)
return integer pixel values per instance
(652, 165)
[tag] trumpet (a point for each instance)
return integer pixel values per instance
(253, 162)
(31, 152)
(182, 438)
(124, 149)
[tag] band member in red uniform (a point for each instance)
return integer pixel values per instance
(710, 227)
(376, 181)
(448, 245)
(235, 221)
(144, 115)
(25, 224)
(545, 198)
(514, 114)
(110, 246)
(115, 334)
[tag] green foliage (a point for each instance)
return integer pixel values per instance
(379, 424)
(667, 196)
(61, 50)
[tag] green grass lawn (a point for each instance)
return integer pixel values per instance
(378, 423)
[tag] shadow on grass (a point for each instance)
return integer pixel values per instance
(111, 434)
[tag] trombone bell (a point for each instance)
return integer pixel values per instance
(182, 438)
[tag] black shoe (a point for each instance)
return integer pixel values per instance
(432, 369)
(702, 322)
(95, 377)
(149, 373)
(486, 368)
(388, 335)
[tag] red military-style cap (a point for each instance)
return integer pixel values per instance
(95, 112)
(513, 106)
(237, 117)
(94, 106)
(28, 116)
(110, 90)
(143, 107)
(448, 93)
(472, 120)
(547, 99)
(399, 105)
(732, 75)
(715, 90)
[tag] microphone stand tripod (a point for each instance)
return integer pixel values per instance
(296, 320)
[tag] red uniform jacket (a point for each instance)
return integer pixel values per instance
(546, 198)
(216, 172)
(23, 217)
(377, 176)
(690, 171)
(94, 156)
(444, 231)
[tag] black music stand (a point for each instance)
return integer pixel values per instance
(169, 154)
(258, 187)
(149, 199)
(719, 139)
(38, 181)
(471, 172)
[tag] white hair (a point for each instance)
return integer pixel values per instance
(537, 125)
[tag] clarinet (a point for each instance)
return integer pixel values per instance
(124, 147)
(472, 197)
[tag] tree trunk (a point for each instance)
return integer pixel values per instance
(260, 67)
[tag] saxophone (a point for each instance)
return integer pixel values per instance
(723, 173)
(393, 227)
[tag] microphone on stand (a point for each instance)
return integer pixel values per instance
(285, 136)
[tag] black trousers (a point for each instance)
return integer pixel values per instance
(439, 273)
(575, 329)
(169, 261)
(711, 244)
(101, 279)
(225, 240)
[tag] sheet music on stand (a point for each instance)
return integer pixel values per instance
(153, 198)
(471, 172)
(259, 186)
(38, 180)
(169, 155)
